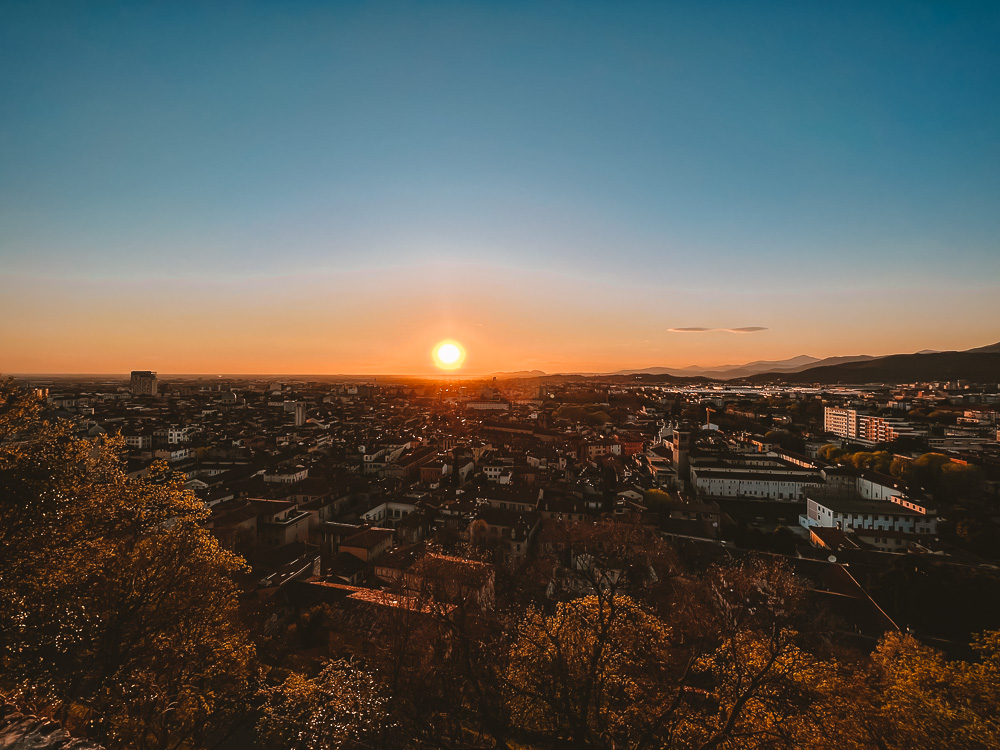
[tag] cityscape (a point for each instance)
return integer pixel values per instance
(499, 376)
(374, 520)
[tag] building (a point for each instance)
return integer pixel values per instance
(843, 422)
(495, 404)
(367, 545)
(681, 452)
(143, 383)
(753, 484)
(856, 514)
(848, 423)
(280, 522)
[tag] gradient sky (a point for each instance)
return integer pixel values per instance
(333, 187)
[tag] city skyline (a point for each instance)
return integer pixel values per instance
(567, 187)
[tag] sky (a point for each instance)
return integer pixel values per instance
(334, 187)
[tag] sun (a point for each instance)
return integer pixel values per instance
(449, 355)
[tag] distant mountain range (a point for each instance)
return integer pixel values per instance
(981, 364)
(728, 372)
(991, 349)
(518, 374)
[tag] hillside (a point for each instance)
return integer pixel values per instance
(991, 349)
(898, 368)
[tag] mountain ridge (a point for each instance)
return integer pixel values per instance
(979, 366)
(978, 363)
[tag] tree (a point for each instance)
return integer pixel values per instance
(926, 470)
(605, 558)
(658, 500)
(591, 673)
(589, 414)
(830, 452)
(117, 609)
(917, 698)
(763, 689)
(342, 706)
(959, 481)
(723, 668)
(880, 461)
(782, 541)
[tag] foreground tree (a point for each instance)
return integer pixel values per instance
(914, 697)
(593, 674)
(341, 707)
(117, 609)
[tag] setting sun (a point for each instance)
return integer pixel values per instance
(449, 355)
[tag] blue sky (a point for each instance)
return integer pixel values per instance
(827, 171)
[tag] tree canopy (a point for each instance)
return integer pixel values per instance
(118, 610)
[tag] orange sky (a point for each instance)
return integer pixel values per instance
(386, 321)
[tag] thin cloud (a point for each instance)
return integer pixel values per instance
(744, 329)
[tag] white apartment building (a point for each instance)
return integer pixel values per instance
(850, 514)
(138, 440)
(875, 503)
(286, 474)
(388, 513)
(865, 428)
(754, 485)
(174, 434)
(843, 422)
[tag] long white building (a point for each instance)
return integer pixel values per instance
(755, 485)
(865, 428)
(754, 476)
(855, 513)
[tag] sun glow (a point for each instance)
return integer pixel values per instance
(449, 355)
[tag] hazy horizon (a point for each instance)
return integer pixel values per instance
(431, 375)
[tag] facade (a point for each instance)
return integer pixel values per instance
(598, 449)
(286, 474)
(758, 485)
(843, 422)
(388, 513)
(681, 451)
(882, 429)
(137, 440)
(490, 405)
(143, 383)
(367, 545)
(281, 523)
(850, 514)
(173, 434)
(864, 428)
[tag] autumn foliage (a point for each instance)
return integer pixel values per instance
(119, 617)
(117, 609)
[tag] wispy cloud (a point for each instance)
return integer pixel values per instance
(744, 329)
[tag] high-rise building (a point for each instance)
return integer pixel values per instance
(143, 383)
(843, 422)
(865, 428)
